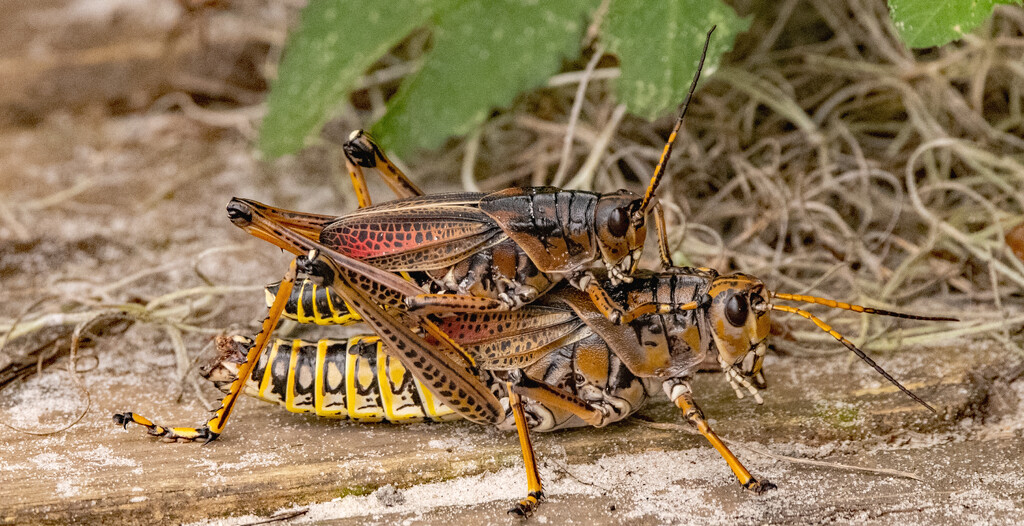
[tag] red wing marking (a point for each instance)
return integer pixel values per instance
(419, 232)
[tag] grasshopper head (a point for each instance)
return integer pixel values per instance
(619, 236)
(740, 324)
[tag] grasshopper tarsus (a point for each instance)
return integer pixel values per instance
(525, 508)
(759, 487)
(123, 419)
(206, 436)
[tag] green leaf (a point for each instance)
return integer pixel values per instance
(926, 23)
(485, 53)
(335, 43)
(659, 45)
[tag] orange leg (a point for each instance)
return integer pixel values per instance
(695, 417)
(216, 425)
(535, 492)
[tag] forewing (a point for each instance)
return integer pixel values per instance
(452, 381)
(418, 233)
(514, 339)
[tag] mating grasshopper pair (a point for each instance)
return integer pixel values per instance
(579, 358)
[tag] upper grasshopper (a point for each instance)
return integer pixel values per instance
(490, 252)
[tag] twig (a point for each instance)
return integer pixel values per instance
(574, 115)
(17, 320)
(469, 161)
(73, 372)
(279, 517)
(565, 470)
(584, 179)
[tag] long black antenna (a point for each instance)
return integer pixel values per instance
(849, 345)
(659, 170)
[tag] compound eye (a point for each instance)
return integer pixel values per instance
(618, 222)
(736, 310)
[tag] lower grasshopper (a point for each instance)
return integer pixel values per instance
(561, 354)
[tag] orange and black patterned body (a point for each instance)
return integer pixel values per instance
(560, 342)
(664, 344)
(657, 345)
(565, 231)
(351, 379)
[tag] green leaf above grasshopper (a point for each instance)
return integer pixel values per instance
(659, 45)
(485, 53)
(325, 56)
(927, 23)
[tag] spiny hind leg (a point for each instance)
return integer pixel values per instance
(445, 303)
(215, 426)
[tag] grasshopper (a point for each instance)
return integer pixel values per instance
(572, 365)
(491, 252)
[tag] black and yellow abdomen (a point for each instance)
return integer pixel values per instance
(314, 304)
(346, 379)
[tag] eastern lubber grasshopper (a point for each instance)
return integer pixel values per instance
(491, 252)
(573, 366)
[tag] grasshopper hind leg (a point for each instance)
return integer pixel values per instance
(535, 490)
(215, 425)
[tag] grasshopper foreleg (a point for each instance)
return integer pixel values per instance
(586, 282)
(660, 227)
(679, 392)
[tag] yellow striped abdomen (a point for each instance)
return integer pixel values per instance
(314, 304)
(350, 379)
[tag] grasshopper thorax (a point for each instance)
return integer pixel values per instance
(620, 238)
(740, 323)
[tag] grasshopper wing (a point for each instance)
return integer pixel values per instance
(414, 234)
(515, 339)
